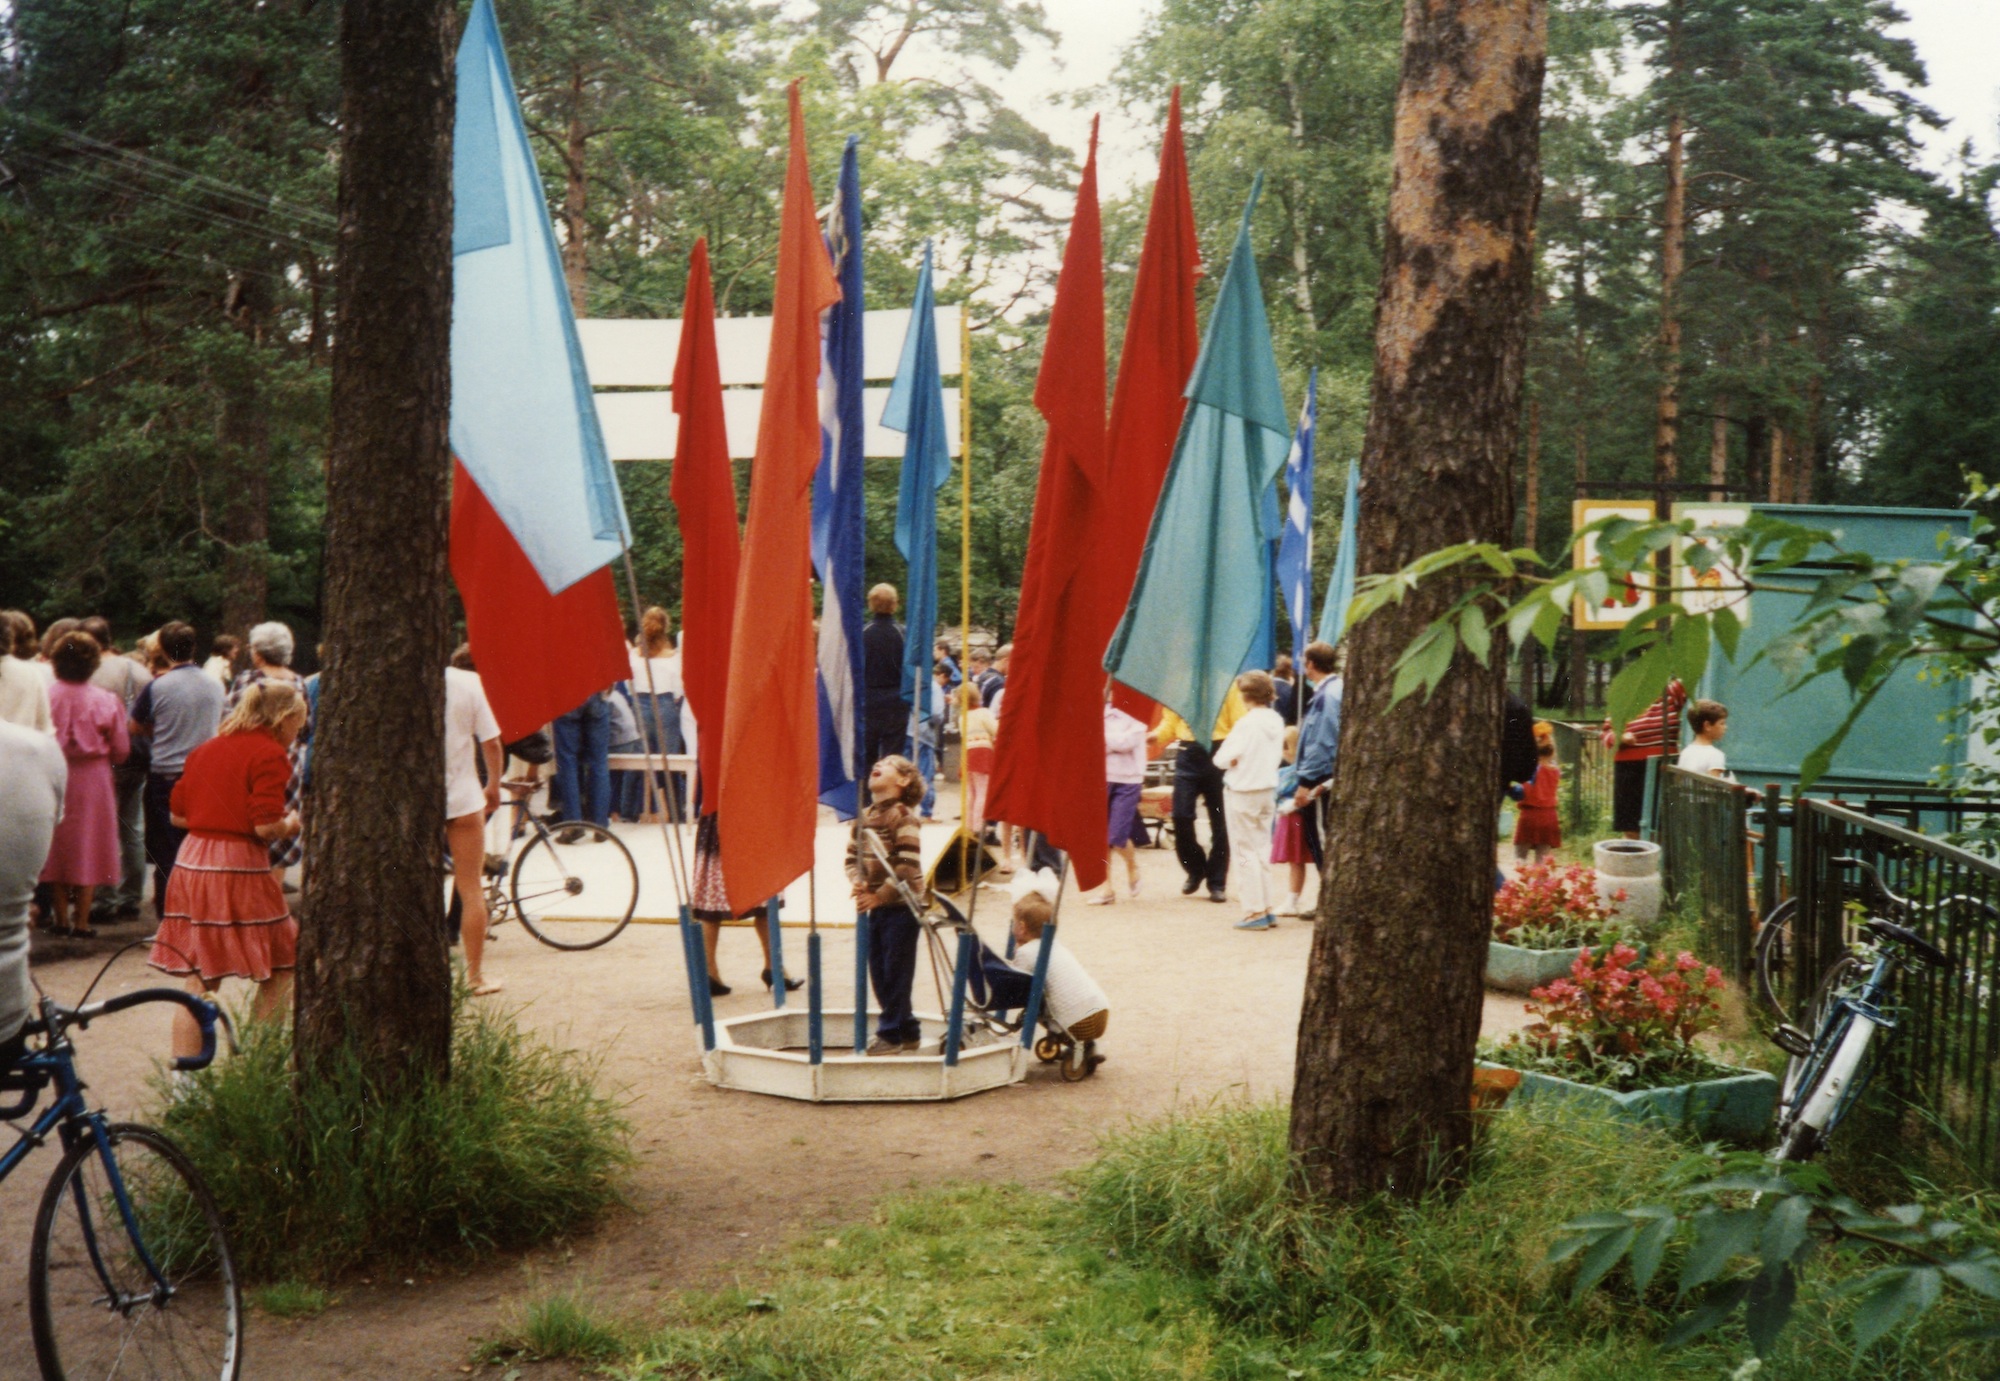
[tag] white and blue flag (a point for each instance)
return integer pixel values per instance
(838, 524)
(1295, 547)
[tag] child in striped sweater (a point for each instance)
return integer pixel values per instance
(889, 831)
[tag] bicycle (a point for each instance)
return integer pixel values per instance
(1829, 1070)
(545, 887)
(129, 1268)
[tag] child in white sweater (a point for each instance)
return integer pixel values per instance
(1250, 757)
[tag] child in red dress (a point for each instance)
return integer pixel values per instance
(225, 914)
(1538, 832)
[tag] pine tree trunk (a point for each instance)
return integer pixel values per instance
(372, 963)
(242, 513)
(1673, 255)
(575, 250)
(1533, 502)
(1718, 449)
(1393, 992)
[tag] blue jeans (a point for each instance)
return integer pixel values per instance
(927, 769)
(662, 736)
(892, 969)
(583, 774)
(628, 789)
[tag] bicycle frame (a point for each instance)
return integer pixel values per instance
(70, 1117)
(1852, 1021)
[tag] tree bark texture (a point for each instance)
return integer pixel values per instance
(1673, 259)
(1393, 991)
(1718, 449)
(372, 961)
(1533, 460)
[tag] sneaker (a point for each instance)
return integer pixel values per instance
(1190, 887)
(1263, 922)
(882, 1045)
(569, 836)
(1104, 898)
(1291, 906)
(1133, 891)
(1218, 894)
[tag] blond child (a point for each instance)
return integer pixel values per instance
(885, 852)
(1070, 996)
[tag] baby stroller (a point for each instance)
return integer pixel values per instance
(984, 1021)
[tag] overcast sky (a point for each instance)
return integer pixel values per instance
(1959, 41)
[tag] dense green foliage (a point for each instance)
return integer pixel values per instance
(166, 189)
(317, 1179)
(1184, 1253)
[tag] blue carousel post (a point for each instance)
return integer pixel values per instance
(815, 1031)
(961, 974)
(771, 909)
(861, 982)
(1032, 1013)
(699, 997)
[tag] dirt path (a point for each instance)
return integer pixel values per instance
(1199, 1011)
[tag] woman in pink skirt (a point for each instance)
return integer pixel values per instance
(90, 729)
(226, 915)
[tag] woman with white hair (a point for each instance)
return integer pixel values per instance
(271, 661)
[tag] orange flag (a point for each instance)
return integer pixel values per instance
(767, 795)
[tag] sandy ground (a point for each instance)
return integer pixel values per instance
(1199, 1011)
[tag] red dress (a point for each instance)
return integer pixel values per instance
(225, 915)
(1538, 826)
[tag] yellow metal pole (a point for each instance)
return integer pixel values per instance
(964, 575)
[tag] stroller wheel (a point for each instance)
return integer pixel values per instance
(1076, 1065)
(1048, 1049)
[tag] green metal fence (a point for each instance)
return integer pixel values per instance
(1704, 836)
(1586, 778)
(1945, 1059)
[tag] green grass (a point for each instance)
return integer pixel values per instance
(291, 1299)
(1178, 1253)
(516, 1147)
(564, 1326)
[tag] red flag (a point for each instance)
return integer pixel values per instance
(767, 787)
(1049, 759)
(539, 655)
(704, 492)
(1162, 342)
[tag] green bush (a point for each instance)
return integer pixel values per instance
(517, 1146)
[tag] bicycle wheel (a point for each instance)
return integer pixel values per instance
(575, 895)
(106, 1302)
(1777, 954)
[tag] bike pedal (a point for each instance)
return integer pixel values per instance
(1792, 1041)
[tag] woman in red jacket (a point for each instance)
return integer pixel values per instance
(225, 914)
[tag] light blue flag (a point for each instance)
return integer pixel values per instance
(522, 417)
(1295, 548)
(1263, 654)
(1206, 569)
(838, 524)
(916, 409)
(1340, 589)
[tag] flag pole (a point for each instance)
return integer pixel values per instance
(966, 845)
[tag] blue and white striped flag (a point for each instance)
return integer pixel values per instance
(1295, 547)
(838, 530)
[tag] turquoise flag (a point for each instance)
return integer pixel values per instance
(1205, 576)
(1340, 589)
(916, 409)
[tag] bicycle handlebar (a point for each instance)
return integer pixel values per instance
(1902, 935)
(205, 1012)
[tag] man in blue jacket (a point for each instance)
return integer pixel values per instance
(1319, 742)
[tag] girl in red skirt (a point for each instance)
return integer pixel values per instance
(1538, 831)
(225, 914)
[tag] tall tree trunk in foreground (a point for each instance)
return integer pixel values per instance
(372, 963)
(1393, 993)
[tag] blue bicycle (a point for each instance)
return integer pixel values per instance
(129, 1270)
(1852, 1024)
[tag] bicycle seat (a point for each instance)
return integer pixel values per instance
(1909, 940)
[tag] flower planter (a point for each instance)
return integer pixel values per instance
(1631, 866)
(1512, 969)
(1737, 1107)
